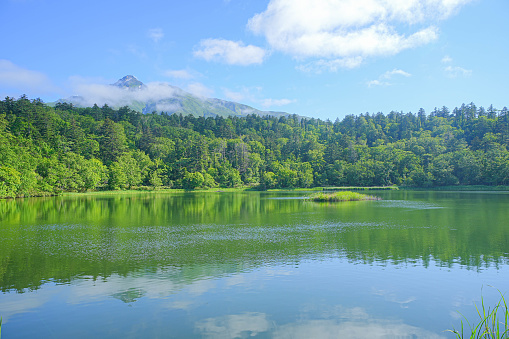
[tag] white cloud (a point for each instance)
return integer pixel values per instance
(253, 94)
(19, 78)
(455, 71)
(200, 90)
(244, 93)
(234, 96)
(167, 107)
(179, 74)
(350, 29)
(155, 34)
(93, 93)
(377, 83)
(389, 74)
(266, 103)
(446, 59)
(330, 65)
(230, 52)
(383, 79)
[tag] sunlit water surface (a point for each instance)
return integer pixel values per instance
(238, 265)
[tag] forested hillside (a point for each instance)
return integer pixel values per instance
(47, 150)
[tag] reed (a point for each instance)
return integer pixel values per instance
(493, 322)
(341, 196)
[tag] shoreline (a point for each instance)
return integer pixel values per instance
(145, 190)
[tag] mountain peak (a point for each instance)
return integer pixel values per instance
(129, 82)
(163, 97)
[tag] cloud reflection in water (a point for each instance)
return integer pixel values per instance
(353, 323)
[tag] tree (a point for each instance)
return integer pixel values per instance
(227, 176)
(208, 180)
(442, 171)
(10, 181)
(112, 142)
(192, 180)
(268, 180)
(125, 173)
(155, 178)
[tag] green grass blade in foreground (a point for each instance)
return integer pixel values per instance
(490, 326)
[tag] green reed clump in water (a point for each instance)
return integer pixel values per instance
(341, 196)
(494, 323)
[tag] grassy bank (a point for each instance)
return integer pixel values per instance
(206, 190)
(160, 190)
(341, 196)
(197, 190)
(141, 190)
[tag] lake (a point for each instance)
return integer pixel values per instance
(250, 264)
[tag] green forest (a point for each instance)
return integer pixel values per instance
(48, 150)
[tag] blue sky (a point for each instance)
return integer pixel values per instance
(317, 58)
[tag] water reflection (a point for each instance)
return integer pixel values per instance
(350, 323)
(235, 326)
(325, 298)
(366, 328)
(308, 317)
(231, 265)
(215, 234)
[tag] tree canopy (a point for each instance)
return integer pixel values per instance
(47, 150)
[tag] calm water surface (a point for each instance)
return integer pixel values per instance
(239, 265)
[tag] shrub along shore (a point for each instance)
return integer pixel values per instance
(341, 196)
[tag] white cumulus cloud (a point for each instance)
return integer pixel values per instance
(155, 34)
(333, 65)
(92, 92)
(456, 71)
(390, 74)
(350, 30)
(235, 96)
(266, 103)
(446, 59)
(178, 74)
(383, 80)
(200, 90)
(230, 52)
(377, 83)
(254, 95)
(18, 78)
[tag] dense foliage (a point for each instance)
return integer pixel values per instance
(47, 150)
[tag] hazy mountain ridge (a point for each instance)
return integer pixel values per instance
(160, 97)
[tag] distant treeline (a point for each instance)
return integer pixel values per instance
(47, 150)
